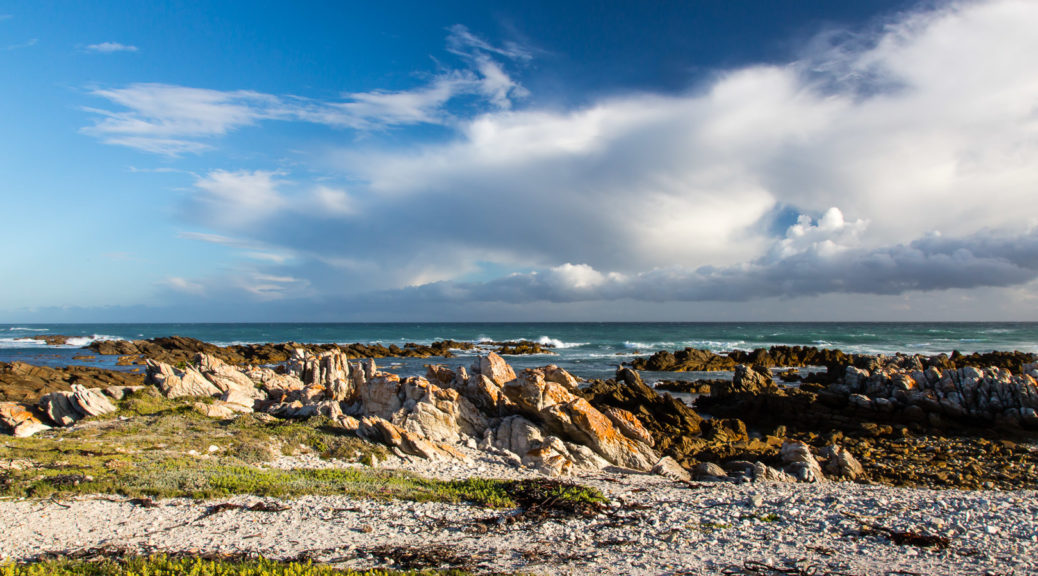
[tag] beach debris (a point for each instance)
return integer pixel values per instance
(257, 507)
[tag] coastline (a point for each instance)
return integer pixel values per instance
(756, 506)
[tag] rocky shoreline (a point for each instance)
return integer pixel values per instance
(900, 421)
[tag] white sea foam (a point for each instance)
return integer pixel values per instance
(549, 341)
(24, 329)
(647, 345)
(21, 343)
(81, 341)
(714, 345)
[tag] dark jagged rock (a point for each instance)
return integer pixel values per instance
(789, 356)
(181, 349)
(687, 360)
(747, 380)
(52, 339)
(21, 382)
(693, 387)
(675, 426)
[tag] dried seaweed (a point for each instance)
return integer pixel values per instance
(257, 507)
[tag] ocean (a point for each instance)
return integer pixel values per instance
(587, 349)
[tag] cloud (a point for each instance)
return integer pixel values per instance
(183, 286)
(176, 120)
(933, 263)
(27, 44)
(110, 47)
(883, 162)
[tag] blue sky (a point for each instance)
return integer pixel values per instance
(808, 160)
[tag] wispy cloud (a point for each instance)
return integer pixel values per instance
(27, 44)
(111, 47)
(176, 120)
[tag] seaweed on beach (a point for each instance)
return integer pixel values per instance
(544, 499)
(123, 561)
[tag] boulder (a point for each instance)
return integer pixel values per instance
(669, 468)
(517, 435)
(840, 462)
(800, 463)
(709, 471)
(20, 420)
(271, 380)
(553, 373)
(747, 380)
(381, 430)
(764, 473)
(175, 383)
(628, 424)
(60, 409)
(218, 410)
(494, 367)
(381, 395)
(573, 418)
(227, 378)
(90, 401)
(549, 454)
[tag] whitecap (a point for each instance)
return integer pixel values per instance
(647, 345)
(549, 341)
(21, 343)
(81, 341)
(24, 329)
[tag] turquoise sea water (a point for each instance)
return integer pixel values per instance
(588, 349)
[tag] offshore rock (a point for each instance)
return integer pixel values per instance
(687, 360)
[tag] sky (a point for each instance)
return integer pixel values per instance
(507, 161)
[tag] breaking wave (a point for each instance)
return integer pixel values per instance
(549, 341)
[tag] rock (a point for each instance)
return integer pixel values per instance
(673, 425)
(764, 473)
(220, 411)
(726, 430)
(689, 359)
(121, 392)
(669, 468)
(380, 395)
(709, 470)
(553, 373)
(228, 379)
(60, 409)
(239, 398)
(573, 418)
(294, 409)
(628, 425)
(747, 380)
(271, 380)
(432, 412)
(494, 367)
(800, 463)
(175, 383)
(20, 420)
(90, 401)
(347, 423)
(840, 462)
(517, 435)
(379, 429)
